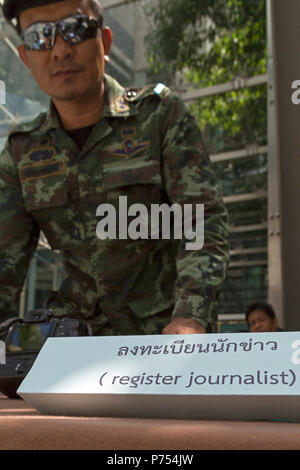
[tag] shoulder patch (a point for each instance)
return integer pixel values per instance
(162, 90)
(136, 94)
(159, 88)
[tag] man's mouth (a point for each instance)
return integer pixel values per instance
(65, 73)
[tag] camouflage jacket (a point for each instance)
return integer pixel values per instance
(146, 146)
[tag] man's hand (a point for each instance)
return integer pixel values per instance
(183, 326)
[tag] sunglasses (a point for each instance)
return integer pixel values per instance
(74, 30)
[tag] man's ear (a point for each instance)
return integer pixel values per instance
(23, 55)
(107, 39)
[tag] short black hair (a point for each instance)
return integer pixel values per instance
(264, 306)
(94, 5)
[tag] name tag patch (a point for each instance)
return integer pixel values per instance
(32, 172)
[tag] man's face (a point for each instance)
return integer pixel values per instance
(260, 322)
(66, 72)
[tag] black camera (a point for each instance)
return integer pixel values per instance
(24, 337)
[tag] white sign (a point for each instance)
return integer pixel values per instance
(214, 376)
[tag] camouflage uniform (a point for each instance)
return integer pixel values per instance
(148, 147)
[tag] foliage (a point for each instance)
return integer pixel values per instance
(209, 42)
(213, 42)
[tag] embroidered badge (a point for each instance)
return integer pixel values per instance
(159, 88)
(130, 147)
(33, 172)
(43, 153)
(120, 105)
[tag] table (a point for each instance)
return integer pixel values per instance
(23, 428)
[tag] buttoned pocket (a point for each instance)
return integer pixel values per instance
(44, 186)
(47, 198)
(140, 181)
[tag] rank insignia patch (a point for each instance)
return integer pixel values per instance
(120, 105)
(42, 154)
(130, 147)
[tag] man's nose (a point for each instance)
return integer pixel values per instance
(61, 49)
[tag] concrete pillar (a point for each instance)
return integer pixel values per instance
(284, 161)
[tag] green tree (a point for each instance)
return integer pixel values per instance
(213, 42)
(210, 42)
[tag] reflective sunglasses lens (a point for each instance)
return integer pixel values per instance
(77, 29)
(39, 37)
(48, 30)
(70, 30)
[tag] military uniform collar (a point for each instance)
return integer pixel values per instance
(116, 105)
(116, 102)
(51, 121)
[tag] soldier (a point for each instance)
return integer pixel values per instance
(97, 142)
